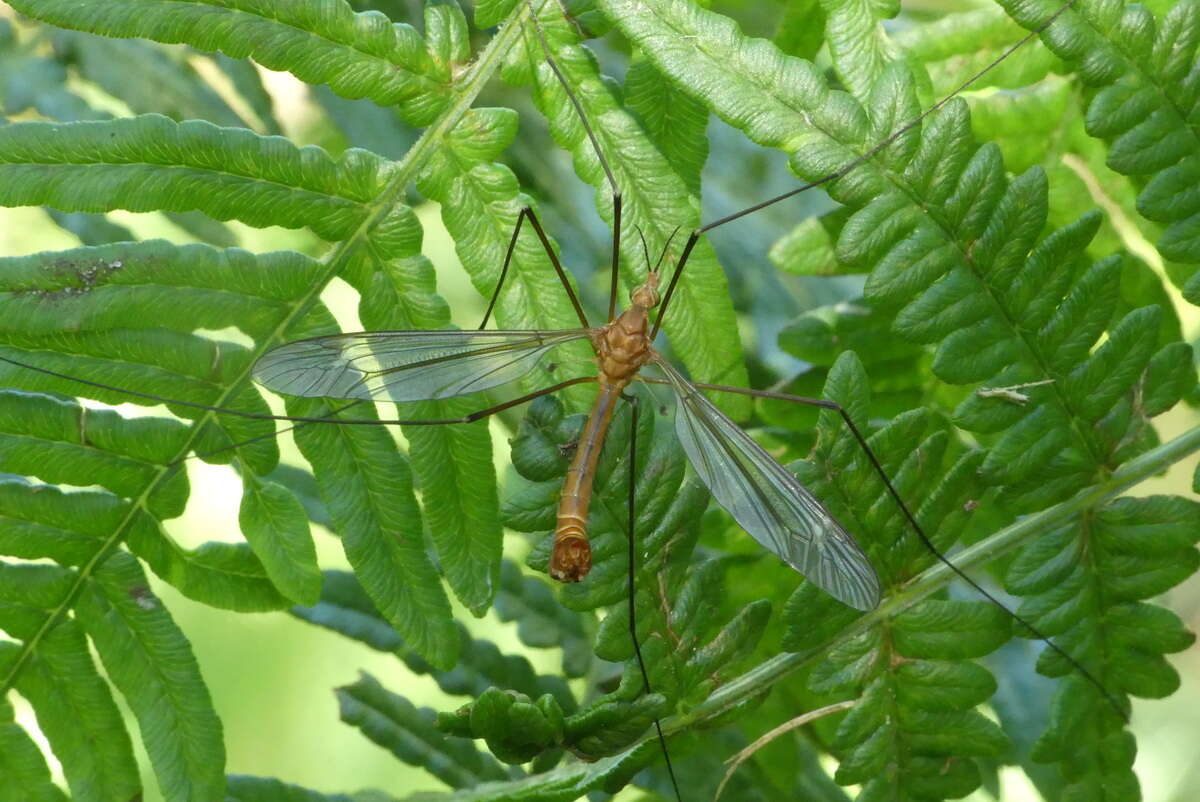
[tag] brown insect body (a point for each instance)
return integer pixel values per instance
(622, 347)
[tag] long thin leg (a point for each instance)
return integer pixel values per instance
(474, 416)
(912, 520)
(608, 174)
(637, 649)
(558, 268)
(848, 166)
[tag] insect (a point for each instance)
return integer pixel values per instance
(440, 365)
(424, 366)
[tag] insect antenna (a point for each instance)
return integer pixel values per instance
(666, 247)
(846, 168)
(645, 247)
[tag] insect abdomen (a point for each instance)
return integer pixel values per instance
(572, 556)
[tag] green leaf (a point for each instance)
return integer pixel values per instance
(29, 591)
(726, 86)
(140, 163)
(22, 764)
(249, 85)
(171, 85)
(453, 463)
(806, 250)
(734, 642)
(489, 12)
(225, 575)
(367, 487)
(675, 122)
(92, 229)
(172, 287)
(148, 659)
(801, 30)
(1134, 66)
(950, 630)
(76, 711)
(853, 29)
(277, 528)
(515, 727)
(39, 521)
(358, 55)
(1171, 375)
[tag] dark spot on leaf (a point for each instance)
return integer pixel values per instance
(143, 597)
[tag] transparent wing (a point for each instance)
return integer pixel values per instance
(768, 501)
(405, 365)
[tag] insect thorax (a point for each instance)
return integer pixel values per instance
(623, 345)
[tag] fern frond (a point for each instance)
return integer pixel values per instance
(241, 788)
(1001, 352)
(959, 256)
(345, 608)
(138, 330)
(145, 656)
(655, 200)
(411, 735)
(75, 709)
(151, 162)
(915, 686)
(322, 42)
(686, 646)
(1140, 71)
(22, 762)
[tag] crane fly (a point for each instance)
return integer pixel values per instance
(756, 490)
(764, 498)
